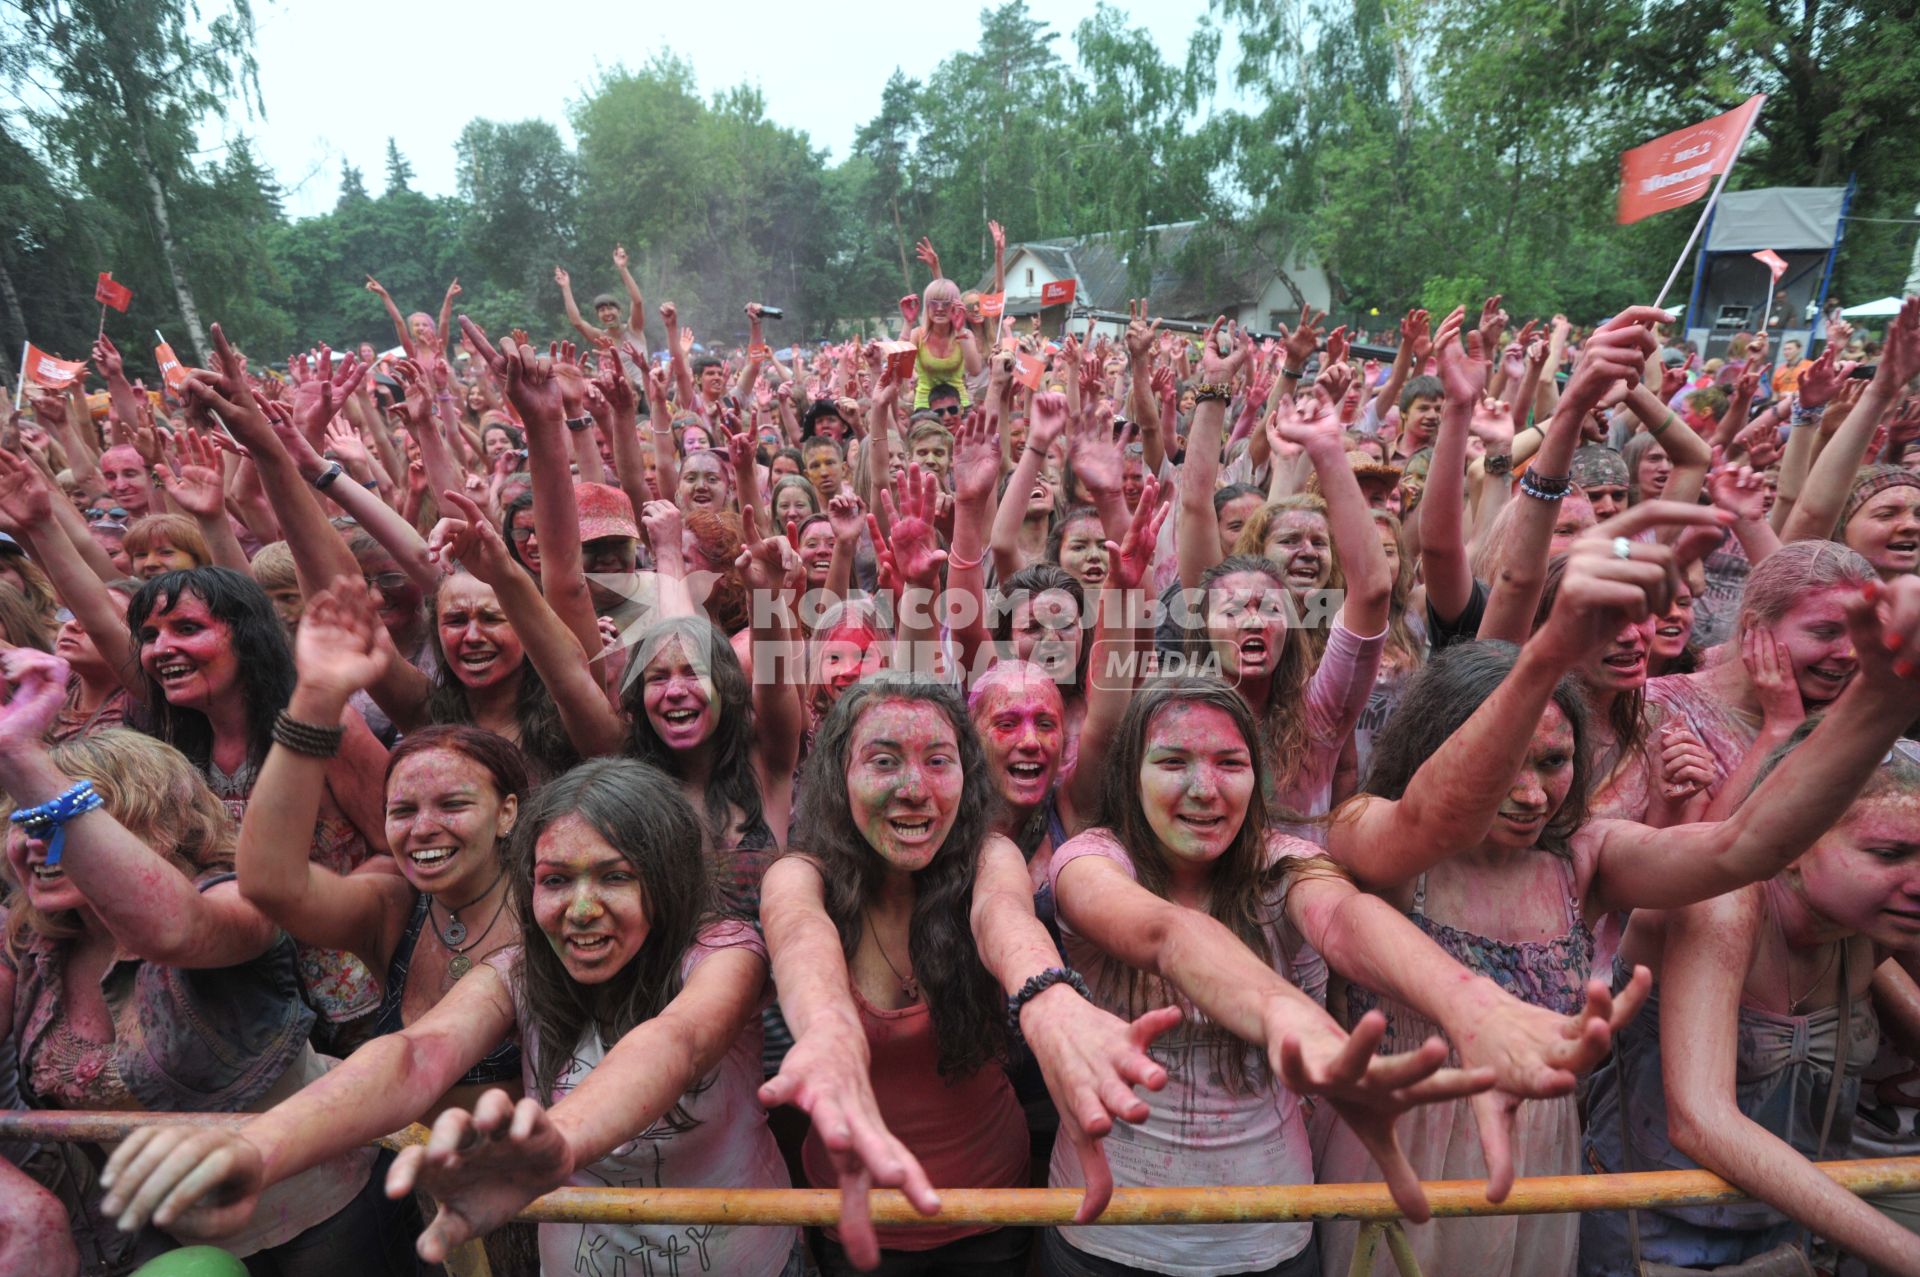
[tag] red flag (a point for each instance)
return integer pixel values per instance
(170, 367)
(55, 374)
(1772, 261)
(991, 304)
(1028, 369)
(1679, 168)
(1059, 293)
(108, 293)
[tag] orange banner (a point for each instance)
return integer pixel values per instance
(1772, 261)
(1028, 369)
(991, 304)
(170, 366)
(1679, 168)
(1059, 293)
(55, 374)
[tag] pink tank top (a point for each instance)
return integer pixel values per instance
(967, 1132)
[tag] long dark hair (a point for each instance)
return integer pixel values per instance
(1243, 893)
(266, 674)
(969, 1015)
(731, 780)
(1438, 701)
(543, 738)
(641, 813)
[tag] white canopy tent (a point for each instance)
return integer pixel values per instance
(1885, 308)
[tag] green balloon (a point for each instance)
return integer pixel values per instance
(193, 1261)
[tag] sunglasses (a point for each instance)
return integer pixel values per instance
(951, 410)
(96, 514)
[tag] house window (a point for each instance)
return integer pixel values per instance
(1275, 319)
(1029, 277)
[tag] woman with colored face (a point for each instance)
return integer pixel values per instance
(217, 673)
(452, 795)
(1766, 1008)
(1475, 821)
(948, 352)
(904, 923)
(1791, 655)
(137, 977)
(730, 741)
(1184, 892)
(636, 1018)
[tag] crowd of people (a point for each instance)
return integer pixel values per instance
(974, 758)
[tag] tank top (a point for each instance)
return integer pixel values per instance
(502, 1064)
(938, 370)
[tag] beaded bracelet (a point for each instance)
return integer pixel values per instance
(1807, 416)
(310, 739)
(1545, 487)
(48, 821)
(1040, 984)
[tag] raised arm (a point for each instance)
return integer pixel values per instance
(1047, 420)
(1689, 453)
(1310, 422)
(976, 467)
(1197, 532)
(636, 304)
(336, 653)
(592, 335)
(592, 724)
(825, 1074)
(400, 329)
(1452, 799)
(1443, 544)
(1825, 492)
(154, 911)
(677, 359)
(767, 564)
(617, 411)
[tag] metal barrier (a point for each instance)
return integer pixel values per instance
(1032, 1207)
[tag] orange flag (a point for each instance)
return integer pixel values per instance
(55, 374)
(1059, 293)
(170, 367)
(1772, 261)
(1679, 168)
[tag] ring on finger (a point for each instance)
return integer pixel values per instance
(1622, 548)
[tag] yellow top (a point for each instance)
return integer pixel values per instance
(935, 370)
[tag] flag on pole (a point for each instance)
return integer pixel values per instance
(109, 293)
(1059, 293)
(1772, 261)
(1028, 369)
(1678, 169)
(55, 374)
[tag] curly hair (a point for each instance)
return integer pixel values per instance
(259, 642)
(641, 813)
(153, 790)
(969, 1016)
(717, 537)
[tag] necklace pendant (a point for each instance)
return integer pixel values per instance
(910, 987)
(456, 932)
(459, 966)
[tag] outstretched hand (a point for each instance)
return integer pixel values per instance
(337, 649)
(482, 1168)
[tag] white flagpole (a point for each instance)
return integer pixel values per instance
(21, 391)
(1707, 212)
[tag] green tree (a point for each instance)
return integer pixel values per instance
(399, 172)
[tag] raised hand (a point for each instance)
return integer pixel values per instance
(911, 519)
(25, 502)
(1617, 351)
(846, 517)
(345, 443)
(999, 236)
(1464, 367)
(561, 278)
(1306, 419)
(764, 562)
(482, 1168)
(196, 485)
(1493, 322)
(976, 459)
(468, 538)
(1613, 581)
(1371, 1091)
(1046, 419)
(1900, 354)
(106, 357)
(337, 649)
(1141, 333)
(318, 398)
(36, 687)
(1416, 334)
(373, 286)
(1334, 379)
(1092, 452)
(1885, 623)
(1131, 560)
(924, 251)
(1492, 424)
(1304, 339)
(1216, 367)
(1823, 378)
(1740, 490)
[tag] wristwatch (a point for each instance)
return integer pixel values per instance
(325, 479)
(579, 423)
(1498, 463)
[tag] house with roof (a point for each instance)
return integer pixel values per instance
(1186, 271)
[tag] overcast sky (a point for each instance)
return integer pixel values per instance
(339, 78)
